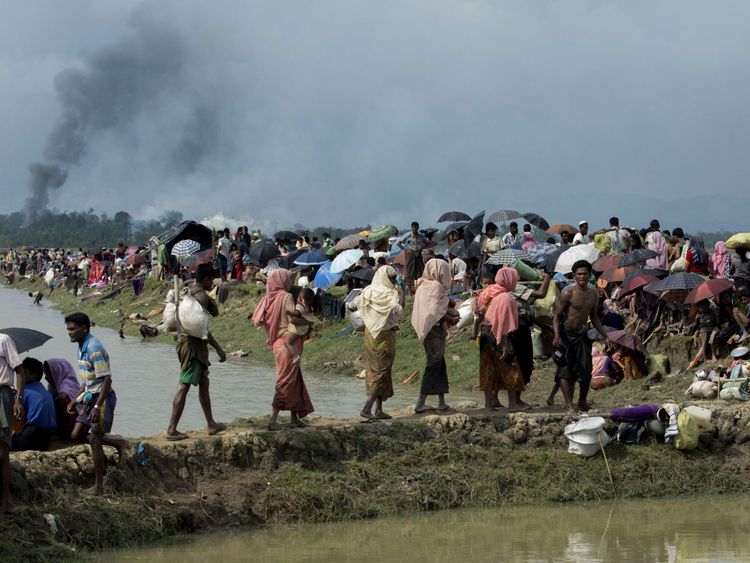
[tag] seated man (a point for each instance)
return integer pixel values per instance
(39, 407)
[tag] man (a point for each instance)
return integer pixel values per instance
(413, 246)
(741, 274)
(654, 225)
(120, 250)
(564, 239)
(41, 417)
(578, 304)
(193, 355)
(618, 236)
(10, 369)
(96, 408)
(742, 317)
(511, 238)
(582, 236)
(224, 248)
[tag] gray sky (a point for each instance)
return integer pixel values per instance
(354, 112)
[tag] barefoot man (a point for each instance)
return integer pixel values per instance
(96, 399)
(578, 305)
(193, 355)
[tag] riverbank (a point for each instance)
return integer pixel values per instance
(343, 470)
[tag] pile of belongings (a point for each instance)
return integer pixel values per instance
(677, 426)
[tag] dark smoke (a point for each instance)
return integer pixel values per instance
(116, 86)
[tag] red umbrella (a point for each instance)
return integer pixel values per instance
(616, 274)
(606, 262)
(708, 289)
(636, 282)
(560, 227)
(135, 260)
(627, 339)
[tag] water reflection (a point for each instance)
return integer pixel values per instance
(710, 529)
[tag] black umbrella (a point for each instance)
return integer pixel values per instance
(194, 260)
(536, 220)
(461, 250)
(261, 252)
(457, 226)
(26, 339)
(550, 263)
(287, 261)
(636, 256)
(474, 227)
(364, 274)
(286, 235)
(453, 216)
(681, 280)
(504, 215)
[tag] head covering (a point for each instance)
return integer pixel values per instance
(582, 223)
(63, 377)
(719, 260)
(378, 299)
(655, 242)
(698, 248)
(603, 243)
(431, 297)
(501, 310)
(528, 241)
(269, 310)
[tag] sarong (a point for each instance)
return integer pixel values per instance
(290, 393)
(193, 355)
(6, 413)
(380, 353)
(523, 350)
(106, 414)
(414, 266)
(578, 355)
(496, 374)
(435, 378)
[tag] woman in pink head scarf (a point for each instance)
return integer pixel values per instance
(721, 262)
(433, 312)
(655, 242)
(272, 314)
(498, 366)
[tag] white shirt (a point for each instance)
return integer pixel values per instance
(458, 269)
(9, 360)
(225, 246)
(581, 239)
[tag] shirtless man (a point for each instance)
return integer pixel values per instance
(578, 305)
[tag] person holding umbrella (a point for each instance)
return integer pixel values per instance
(11, 375)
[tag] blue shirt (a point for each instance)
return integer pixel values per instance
(93, 363)
(39, 405)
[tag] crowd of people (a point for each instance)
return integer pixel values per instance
(575, 312)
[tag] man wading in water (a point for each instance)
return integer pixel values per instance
(578, 305)
(193, 355)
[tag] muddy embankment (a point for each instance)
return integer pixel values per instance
(250, 476)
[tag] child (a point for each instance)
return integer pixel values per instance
(705, 323)
(304, 307)
(37, 296)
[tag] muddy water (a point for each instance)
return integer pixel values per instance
(707, 529)
(145, 376)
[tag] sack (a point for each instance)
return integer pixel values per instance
(586, 436)
(193, 317)
(358, 323)
(526, 272)
(630, 432)
(544, 308)
(168, 317)
(680, 265)
(657, 363)
(687, 439)
(702, 390)
(467, 314)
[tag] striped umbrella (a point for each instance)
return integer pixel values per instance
(681, 280)
(508, 257)
(539, 252)
(504, 215)
(349, 241)
(185, 248)
(536, 220)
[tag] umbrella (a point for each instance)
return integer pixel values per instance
(287, 260)
(740, 240)
(324, 278)
(474, 227)
(708, 289)
(365, 274)
(461, 250)
(646, 272)
(636, 282)
(539, 252)
(346, 260)
(676, 296)
(573, 254)
(453, 216)
(606, 263)
(26, 339)
(536, 220)
(617, 274)
(508, 257)
(286, 236)
(456, 226)
(135, 260)
(560, 227)
(382, 232)
(627, 340)
(311, 258)
(680, 280)
(185, 248)
(349, 241)
(203, 257)
(262, 252)
(504, 215)
(550, 262)
(639, 255)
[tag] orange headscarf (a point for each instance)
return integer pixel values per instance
(269, 310)
(502, 312)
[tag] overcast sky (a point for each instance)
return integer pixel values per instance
(354, 112)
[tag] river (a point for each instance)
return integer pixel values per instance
(145, 376)
(703, 529)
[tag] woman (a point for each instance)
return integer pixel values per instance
(655, 242)
(433, 312)
(379, 305)
(721, 262)
(64, 387)
(696, 257)
(498, 365)
(272, 313)
(235, 256)
(634, 242)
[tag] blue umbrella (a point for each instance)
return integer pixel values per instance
(311, 258)
(324, 278)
